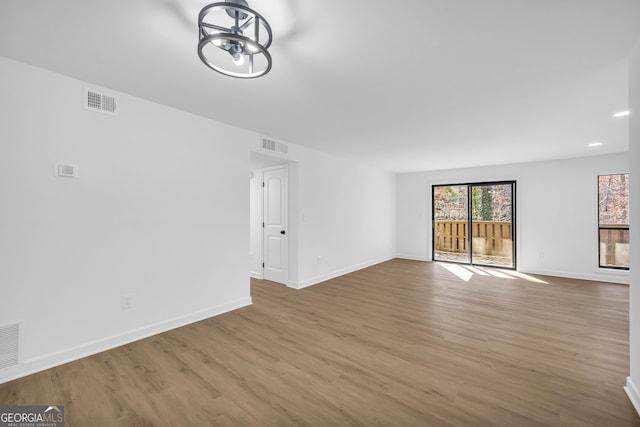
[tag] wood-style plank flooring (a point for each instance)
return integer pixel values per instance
(402, 343)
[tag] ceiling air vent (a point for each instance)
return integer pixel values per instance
(96, 101)
(9, 345)
(271, 145)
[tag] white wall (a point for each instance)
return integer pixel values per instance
(341, 216)
(346, 217)
(633, 382)
(159, 211)
(556, 213)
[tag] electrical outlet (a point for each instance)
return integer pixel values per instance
(320, 260)
(127, 301)
(541, 255)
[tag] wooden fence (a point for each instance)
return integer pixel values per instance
(614, 246)
(489, 237)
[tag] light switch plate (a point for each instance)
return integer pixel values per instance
(66, 170)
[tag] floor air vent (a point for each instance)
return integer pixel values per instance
(271, 145)
(96, 101)
(9, 345)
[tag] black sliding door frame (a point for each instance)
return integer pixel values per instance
(470, 222)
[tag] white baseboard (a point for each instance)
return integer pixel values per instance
(256, 274)
(412, 257)
(613, 276)
(632, 392)
(337, 273)
(596, 277)
(46, 361)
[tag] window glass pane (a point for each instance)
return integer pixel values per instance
(614, 248)
(450, 203)
(450, 214)
(492, 226)
(614, 199)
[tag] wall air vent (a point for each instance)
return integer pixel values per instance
(94, 100)
(9, 345)
(271, 145)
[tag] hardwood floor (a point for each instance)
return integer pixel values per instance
(403, 343)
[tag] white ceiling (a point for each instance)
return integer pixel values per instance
(404, 85)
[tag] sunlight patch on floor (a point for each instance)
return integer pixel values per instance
(525, 276)
(458, 270)
(466, 272)
(476, 270)
(498, 273)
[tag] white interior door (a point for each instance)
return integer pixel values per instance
(275, 240)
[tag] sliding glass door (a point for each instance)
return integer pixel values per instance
(474, 223)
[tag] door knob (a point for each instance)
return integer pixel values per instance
(283, 232)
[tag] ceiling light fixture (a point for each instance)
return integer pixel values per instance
(234, 39)
(595, 144)
(622, 114)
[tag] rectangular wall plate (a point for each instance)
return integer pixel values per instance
(66, 170)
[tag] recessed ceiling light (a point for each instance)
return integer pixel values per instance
(622, 114)
(595, 144)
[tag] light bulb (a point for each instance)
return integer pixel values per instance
(238, 59)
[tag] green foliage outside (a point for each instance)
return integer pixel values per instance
(482, 203)
(488, 202)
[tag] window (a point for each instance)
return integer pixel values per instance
(613, 221)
